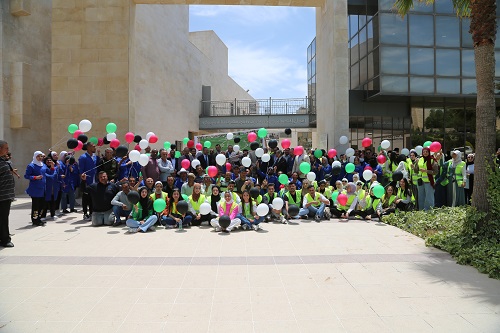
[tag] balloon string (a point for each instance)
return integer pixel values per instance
(58, 142)
(98, 166)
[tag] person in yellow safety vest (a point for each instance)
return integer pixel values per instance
(158, 192)
(229, 208)
(388, 202)
(343, 211)
(456, 180)
(294, 197)
(327, 192)
(390, 166)
(268, 200)
(195, 200)
(360, 196)
(248, 213)
(427, 168)
(404, 198)
(414, 176)
(315, 203)
(372, 205)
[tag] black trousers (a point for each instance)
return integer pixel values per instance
(364, 213)
(86, 202)
(37, 207)
(4, 221)
(203, 218)
(50, 206)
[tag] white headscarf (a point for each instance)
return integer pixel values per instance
(62, 155)
(35, 161)
(457, 159)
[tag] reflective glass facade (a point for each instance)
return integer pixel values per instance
(311, 74)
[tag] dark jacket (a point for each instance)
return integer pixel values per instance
(101, 195)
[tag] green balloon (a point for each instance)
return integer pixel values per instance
(349, 167)
(262, 133)
(177, 154)
(335, 194)
(378, 191)
(427, 144)
(207, 144)
(185, 197)
(72, 128)
(166, 145)
(185, 141)
(318, 153)
(159, 205)
(379, 148)
(283, 179)
(111, 128)
(305, 167)
(94, 140)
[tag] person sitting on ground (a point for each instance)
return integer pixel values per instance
(268, 200)
(243, 182)
(388, 202)
(223, 182)
(121, 206)
(158, 192)
(315, 203)
(133, 184)
(195, 200)
(206, 186)
(188, 187)
(229, 208)
(170, 217)
(234, 195)
(404, 198)
(214, 200)
(142, 218)
(295, 179)
(149, 184)
(101, 194)
(294, 197)
(248, 213)
(344, 211)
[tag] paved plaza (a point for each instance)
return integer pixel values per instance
(303, 277)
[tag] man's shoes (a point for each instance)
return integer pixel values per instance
(73, 210)
(9, 244)
(256, 227)
(317, 218)
(65, 211)
(117, 224)
(304, 217)
(86, 217)
(327, 214)
(217, 229)
(132, 230)
(225, 231)
(245, 227)
(39, 223)
(283, 220)
(152, 228)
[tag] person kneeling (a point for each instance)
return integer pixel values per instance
(142, 218)
(227, 208)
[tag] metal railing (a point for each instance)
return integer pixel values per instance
(257, 107)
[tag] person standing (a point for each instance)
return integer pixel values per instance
(6, 195)
(36, 187)
(87, 164)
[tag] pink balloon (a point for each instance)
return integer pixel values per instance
(137, 147)
(77, 133)
(342, 199)
(228, 166)
(368, 168)
(367, 142)
(114, 143)
(80, 146)
(285, 143)
(252, 137)
(381, 159)
(199, 146)
(190, 144)
(129, 137)
(332, 153)
(153, 139)
(185, 163)
(100, 142)
(212, 171)
(435, 147)
(299, 150)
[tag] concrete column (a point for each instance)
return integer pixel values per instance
(332, 73)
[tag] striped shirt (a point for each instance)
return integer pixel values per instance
(6, 181)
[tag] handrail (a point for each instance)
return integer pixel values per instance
(257, 107)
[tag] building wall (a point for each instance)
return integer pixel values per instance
(25, 101)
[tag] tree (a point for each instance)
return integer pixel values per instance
(483, 30)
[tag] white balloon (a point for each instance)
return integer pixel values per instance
(343, 140)
(349, 152)
(205, 208)
(336, 163)
(85, 125)
(259, 152)
(143, 159)
(277, 203)
(111, 136)
(405, 152)
(195, 163)
(246, 161)
(236, 148)
(149, 135)
(385, 144)
(418, 149)
(144, 144)
(220, 159)
(134, 155)
(367, 175)
(266, 158)
(351, 159)
(229, 136)
(311, 176)
(262, 209)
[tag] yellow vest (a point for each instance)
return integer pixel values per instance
(196, 204)
(422, 164)
(310, 199)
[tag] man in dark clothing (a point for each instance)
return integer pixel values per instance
(101, 193)
(6, 195)
(109, 164)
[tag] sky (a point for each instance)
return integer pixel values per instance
(267, 45)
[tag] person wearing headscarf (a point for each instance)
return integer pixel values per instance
(456, 180)
(469, 172)
(214, 200)
(142, 218)
(36, 187)
(427, 168)
(53, 182)
(228, 208)
(441, 180)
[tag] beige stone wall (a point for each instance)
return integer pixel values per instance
(25, 43)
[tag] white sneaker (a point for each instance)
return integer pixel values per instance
(218, 229)
(43, 219)
(245, 227)
(283, 220)
(256, 227)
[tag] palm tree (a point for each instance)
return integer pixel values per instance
(483, 30)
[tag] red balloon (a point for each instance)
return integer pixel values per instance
(100, 142)
(114, 143)
(199, 146)
(153, 139)
(367, 142)
(342, 199)
(332, 153)
(185, 163)
(190, 144)
(212, 171)
(381, 159)
(285, 143)
(80, 145)
(368, 168)
(137, 147)
(252, 137)
(435, 147)
(228, 166)
(299, 150)
(129, 137)
(77, 133)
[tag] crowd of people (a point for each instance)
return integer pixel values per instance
(117, 191)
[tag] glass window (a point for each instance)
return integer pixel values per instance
(394, 60)
(497, 63)
(386, 4)
(363, 48)
(363, 70)
(448, 62)
(448, 86)
(468, 64)
(469, 87)
(354, 50)
(444, 6)
(421, 30)
(421, 61)
(313, 50)
(353, 25)
(309, 53)
(394, 84)
(313, 66)
(362, 20)
(371, 67)
(447, 30)
(309, 70)
(422, 7)
(466, 36)
(422, 85)
(369, 29)
(355, 76)
(393, 29)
